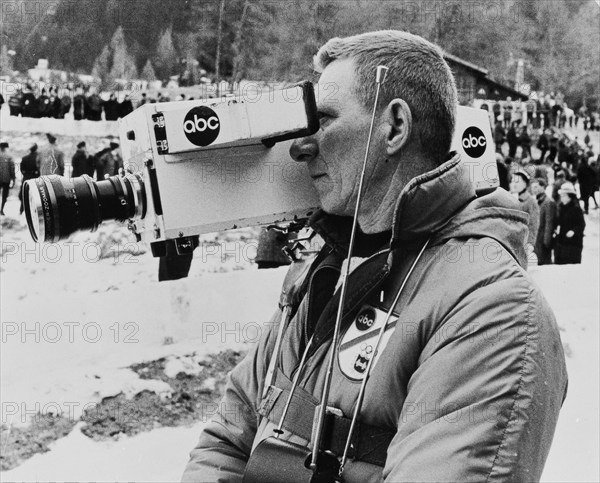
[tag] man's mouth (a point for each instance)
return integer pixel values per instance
(317, 176)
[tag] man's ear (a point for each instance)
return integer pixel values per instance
(399, 122)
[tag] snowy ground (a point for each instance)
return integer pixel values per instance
(72, 324)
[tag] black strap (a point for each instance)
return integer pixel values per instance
(369, 443)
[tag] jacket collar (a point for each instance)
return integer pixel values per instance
(424, 206)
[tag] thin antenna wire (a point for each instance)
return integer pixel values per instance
(379, 79)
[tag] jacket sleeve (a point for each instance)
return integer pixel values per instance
(534, 220)
(226, 441)
(484, 400)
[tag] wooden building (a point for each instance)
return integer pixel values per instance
(473, 82)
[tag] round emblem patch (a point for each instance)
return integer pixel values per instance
(357, 346)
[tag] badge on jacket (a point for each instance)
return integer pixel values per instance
(358, 342)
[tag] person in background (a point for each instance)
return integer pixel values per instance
(110, 161)
(568, 243)
(547, 222)
(586, 177)
(512, 139)
(52, 159)
(525, 141)
(15, 103)
(125, 107)
(519, 187)
(596, 170)
(543, 145)
(79, 104)
(65, 105)
(7, 174)
(502, 172)
(94, 106)
(30, 103)
(80, 161)
(44, 105)
(508, 113)
(111, 108)
(499, 136)
(559, 180)
(30, 169)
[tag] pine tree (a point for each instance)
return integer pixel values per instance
(5, 62)
(148, 73)
(123, 63)
(166, 56)
(101, 69)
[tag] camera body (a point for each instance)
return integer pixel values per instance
(195, 167)
(221, 164)
(211, 166)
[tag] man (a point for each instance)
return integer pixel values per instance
(560, 179)
(79, 104)
(29, 103)
(519, 187)
(93, 107)
(15, 103)
(7, 174)
(30, 168)
(111, 108)
(512, 139)
(586, 177)
(438, 364)
(547, 222)
(52, 159)
(543, 145)
(109, 162)
(80, 163)
(499, 136)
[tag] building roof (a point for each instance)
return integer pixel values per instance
(453, 58)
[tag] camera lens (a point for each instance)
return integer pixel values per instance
(56, 207)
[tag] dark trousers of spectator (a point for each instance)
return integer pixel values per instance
(5, 187)
(512, 150)
(526, 151)
(14, 111)
(544, 255)
(543, 155)
(585, 197)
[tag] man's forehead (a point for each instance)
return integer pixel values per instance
(336, 83)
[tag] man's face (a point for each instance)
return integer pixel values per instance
(335, 154)
(518, 184)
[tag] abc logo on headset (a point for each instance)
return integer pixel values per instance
(201, 126)
(474, 142)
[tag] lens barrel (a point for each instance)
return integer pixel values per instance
(56, 206)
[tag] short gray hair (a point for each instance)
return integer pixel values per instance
(417, 73)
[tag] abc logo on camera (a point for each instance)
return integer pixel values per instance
(474, 142)
(201, 126)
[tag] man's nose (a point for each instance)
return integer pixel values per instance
(304, 149)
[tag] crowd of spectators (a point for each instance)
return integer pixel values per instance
(539, 112)
(84, 103)
(50, 159)
(554, 188)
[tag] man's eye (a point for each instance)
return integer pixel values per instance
(324, 118)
